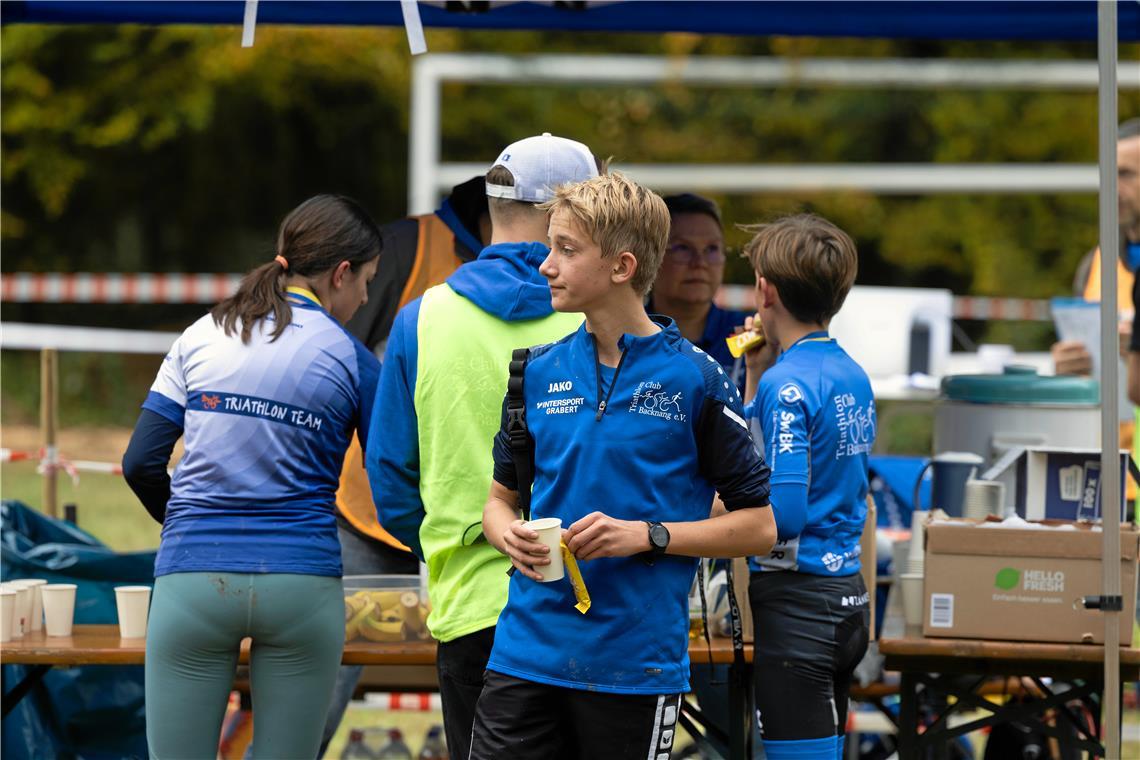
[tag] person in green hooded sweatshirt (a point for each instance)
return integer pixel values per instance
(439, 404)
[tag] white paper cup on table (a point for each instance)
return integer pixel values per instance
(549, 530)
(23, 611)
(36, 614)
(133, 603)
(7, 613)
(912, 599)
(59, 608)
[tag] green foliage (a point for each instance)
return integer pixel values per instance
(174, 149)
(106, 506)
(94, 389)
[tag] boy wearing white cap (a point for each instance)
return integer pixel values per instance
(438, 404)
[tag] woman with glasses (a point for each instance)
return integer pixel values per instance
(690, 276)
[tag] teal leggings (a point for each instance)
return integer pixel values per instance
(197, 622)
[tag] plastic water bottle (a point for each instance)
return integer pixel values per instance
(396, 748)
(356, 749)
(434, 748)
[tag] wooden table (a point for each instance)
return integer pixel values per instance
(958, 668)
(101, 645)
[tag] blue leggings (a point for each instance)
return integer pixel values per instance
(197, 622)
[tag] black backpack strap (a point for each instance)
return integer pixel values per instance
(521, 444)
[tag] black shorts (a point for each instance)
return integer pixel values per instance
(811, 632)
(521, 720)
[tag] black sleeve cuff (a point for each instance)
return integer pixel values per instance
(146, 460)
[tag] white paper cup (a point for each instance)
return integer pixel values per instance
(984, 498)
(21, 618)
(912, 599)
(59, 608)
(549, 531)
(36, 615)
(133, 603)
(917, 535)
(7, 612)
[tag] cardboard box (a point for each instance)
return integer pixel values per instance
(1021, 584)
(1064, 484)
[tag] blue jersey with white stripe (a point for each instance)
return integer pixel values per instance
(815, 413)
(670, 432)
(265, 428)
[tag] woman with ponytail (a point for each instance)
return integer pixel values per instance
(266, 391)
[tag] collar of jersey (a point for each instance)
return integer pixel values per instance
(668, 332)
(302, 296)
(819, 336)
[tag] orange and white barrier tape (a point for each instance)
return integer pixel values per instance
(403, 701)
(49, 460)
(85, 287)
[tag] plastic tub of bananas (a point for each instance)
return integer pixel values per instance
(384, 608)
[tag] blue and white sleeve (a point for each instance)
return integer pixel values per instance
(789, 456)
(167, 396)
(728, 457)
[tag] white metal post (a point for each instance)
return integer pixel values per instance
(423, 137)
(1109, 380)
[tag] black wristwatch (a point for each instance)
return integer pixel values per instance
(658, 538)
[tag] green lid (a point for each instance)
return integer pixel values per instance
(1021, 385)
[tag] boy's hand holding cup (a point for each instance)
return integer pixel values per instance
(529, 554)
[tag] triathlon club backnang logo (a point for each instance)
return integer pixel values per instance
(653, 400)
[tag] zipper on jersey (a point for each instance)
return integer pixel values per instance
(604, 402)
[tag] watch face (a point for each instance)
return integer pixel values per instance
(659, 536)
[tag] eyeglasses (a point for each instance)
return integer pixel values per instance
(685, 254)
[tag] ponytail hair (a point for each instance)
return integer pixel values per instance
(314, 238)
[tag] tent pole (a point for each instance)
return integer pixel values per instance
(1109, 378)
(49, 425)
(423, 137)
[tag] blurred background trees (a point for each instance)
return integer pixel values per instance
(173, 149)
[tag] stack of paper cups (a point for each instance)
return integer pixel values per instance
(984, 498)
(22, 610)
(7, 613)
(35, 621)
(916, 558)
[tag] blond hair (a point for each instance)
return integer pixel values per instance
(619, 215)
(811, 262)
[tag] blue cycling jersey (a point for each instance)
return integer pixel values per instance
(668, 434)
(815, 413)
(265, 427)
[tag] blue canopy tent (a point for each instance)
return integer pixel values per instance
(1067, 20)
(1106, 21)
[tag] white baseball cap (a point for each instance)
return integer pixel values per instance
(540, 164)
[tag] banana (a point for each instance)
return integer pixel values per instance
(385, 630)
(352, 627)
(386, 599)
(410, 613)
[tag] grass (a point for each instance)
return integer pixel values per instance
(106, 507)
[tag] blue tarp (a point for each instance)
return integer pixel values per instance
(89, 712)
(1026, 19)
